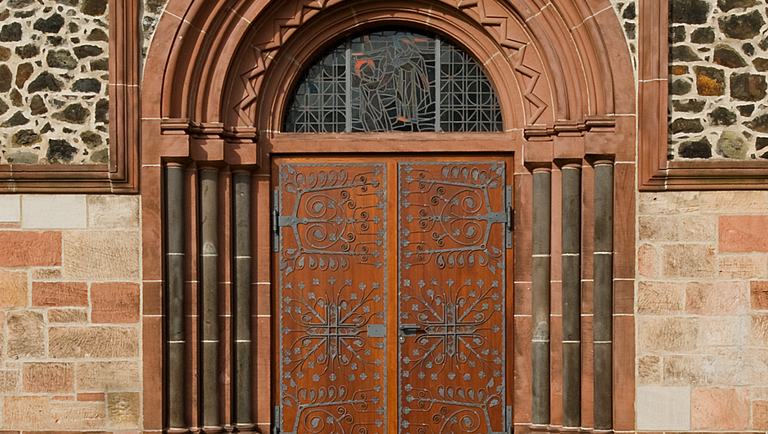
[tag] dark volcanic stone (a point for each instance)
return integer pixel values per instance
(68, 2)
(98, 35)
(6, 78)
(22, 157)
(14, 121)
(759, 124)
(55, 40)
(683, 53)
(60, 151)
(100, 65)
(761, 64)
(746, 110)
(709, 81)
(16, 99)
(37, 105)
(10, 32)
(24, 14)
(3, 107)
(61, 59)
(74, 114)
(690, 106)
(731, 145)
(154, 6)
(87, 51)
(5, 53)
(101, 156)
(47, 128)
(18, 4)
(25, 138)
(681, 125)
(5, 14)
(91, 139)
(44, 81)
(87, 85)
(698, 149)
(23, 72)
(727, 5)
(748, 87)
(704, 35)
(102, 111)
(745, 26)
(748, 49)
(761, 142)
(52, 24)
(629, 28)
(688, 11)
(727, 56)
(680, 87)
(94, 7)
(73, 27)
(629, 12)
(676, 34)
(722, 116)
(27, 51)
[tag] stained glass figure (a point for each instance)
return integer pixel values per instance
(388, 80)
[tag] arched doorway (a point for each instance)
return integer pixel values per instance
(216, 140)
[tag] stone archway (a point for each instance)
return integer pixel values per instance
(215, 85)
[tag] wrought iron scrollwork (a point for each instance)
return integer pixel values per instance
(331, 369)
(334, 217)
(456, 214)
(451, 304)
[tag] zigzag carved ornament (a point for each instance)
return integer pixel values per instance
(485, 12)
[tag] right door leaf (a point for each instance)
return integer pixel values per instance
(451, 313)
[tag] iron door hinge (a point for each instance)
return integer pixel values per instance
(276, 221)
(276, 421)
(508, 205)
(510, 424)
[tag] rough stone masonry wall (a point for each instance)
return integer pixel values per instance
(718, 58)
(70, 336)
(702, 311)
(54, 103)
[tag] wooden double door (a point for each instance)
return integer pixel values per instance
(393, 297)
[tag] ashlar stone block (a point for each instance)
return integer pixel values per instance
(688, 260)
(714, 408)
(46, 377)
(124, 409)
(660, 298)
(113, 212)
(25, 334)
(48, 211)
(663, 408)
(94, 341)
(13, 289)
(101, 255)
(113, 375)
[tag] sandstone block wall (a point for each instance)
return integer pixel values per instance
(718, 57)
(702, 323)
(70, 306)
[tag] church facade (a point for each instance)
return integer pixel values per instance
(337, 216)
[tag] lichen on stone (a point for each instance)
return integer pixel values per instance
(54, 81)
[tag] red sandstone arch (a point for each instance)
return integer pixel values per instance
(209, 59)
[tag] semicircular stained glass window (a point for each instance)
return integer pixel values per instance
(388, 80)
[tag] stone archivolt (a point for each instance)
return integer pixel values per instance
(554, 57)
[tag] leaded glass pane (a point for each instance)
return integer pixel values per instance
(387, 80)
(319, 101)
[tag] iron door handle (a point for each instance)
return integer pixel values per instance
(409, 330)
